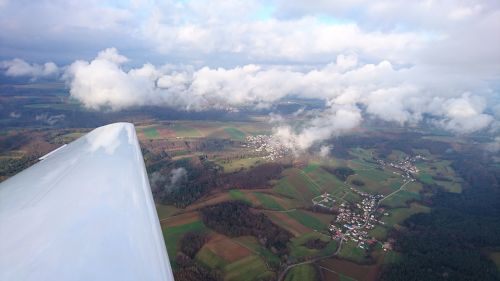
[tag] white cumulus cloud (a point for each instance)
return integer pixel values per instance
(351, 90)
(21, 68)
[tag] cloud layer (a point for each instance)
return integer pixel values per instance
(351, 90)
(399, 61)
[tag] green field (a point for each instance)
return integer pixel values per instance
(184, 131)
(374, 175)
(425, 178)
(173, 234)
(288, 189)
(268, 201)
(326, 181)
(238, 164)
(352, 197)
(247, 269)
(298, 250)
(307, 220)
(165, 211)
(298, 185)
(151, 133)
(234, 133)
(237, 194)
(400, 214)
(379, 232)
(311, 167)
(301, 273)
(400, 199)
(352, 252)
(251, 243)
(210, 260)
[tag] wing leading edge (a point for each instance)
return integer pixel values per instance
(85, 212)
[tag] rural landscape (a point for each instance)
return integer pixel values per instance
(235, 205)
(250, 140)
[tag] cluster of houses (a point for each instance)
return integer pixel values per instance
(267, 146)
(354, 220)
(406, 166)
(325, 200)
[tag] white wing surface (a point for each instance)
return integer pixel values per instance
(84, 212)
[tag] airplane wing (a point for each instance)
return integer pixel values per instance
(84, 212)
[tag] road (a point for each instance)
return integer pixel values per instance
(285, 271)
(278, 211)
(400, 188)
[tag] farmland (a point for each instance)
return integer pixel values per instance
(302, 272)
(287, 202)
(303, 199)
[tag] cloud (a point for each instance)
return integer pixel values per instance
(350, 89)
(20, 68)
(166, 184)
(324, 151)
(334, 121)
(177, 176)
(306, 39)
(237, 32)
(465, 114)
(398, 61)
(103, 83)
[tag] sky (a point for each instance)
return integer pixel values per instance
(407, 62)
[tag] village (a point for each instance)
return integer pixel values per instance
(406, 166)
(354, 220)
(269, 147)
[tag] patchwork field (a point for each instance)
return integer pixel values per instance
(350, 251)
(237, 131)
(346, 270)
(400, 214)
(254, 246)
(226, 248)
(240, 164)
(287, 204)
(302, 272)
(268, 201)
(173, 233)
(308, 219)
(234, 266)
(284, 220)
(299, 250)
(249, 268)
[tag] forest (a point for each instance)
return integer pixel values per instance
(256, 177)
(235, 218)
(188, 269)
(448, 243)
(342, 173)
(205, 176)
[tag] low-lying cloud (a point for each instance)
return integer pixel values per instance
(165, 184)
(20, 68)
(351, 90)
